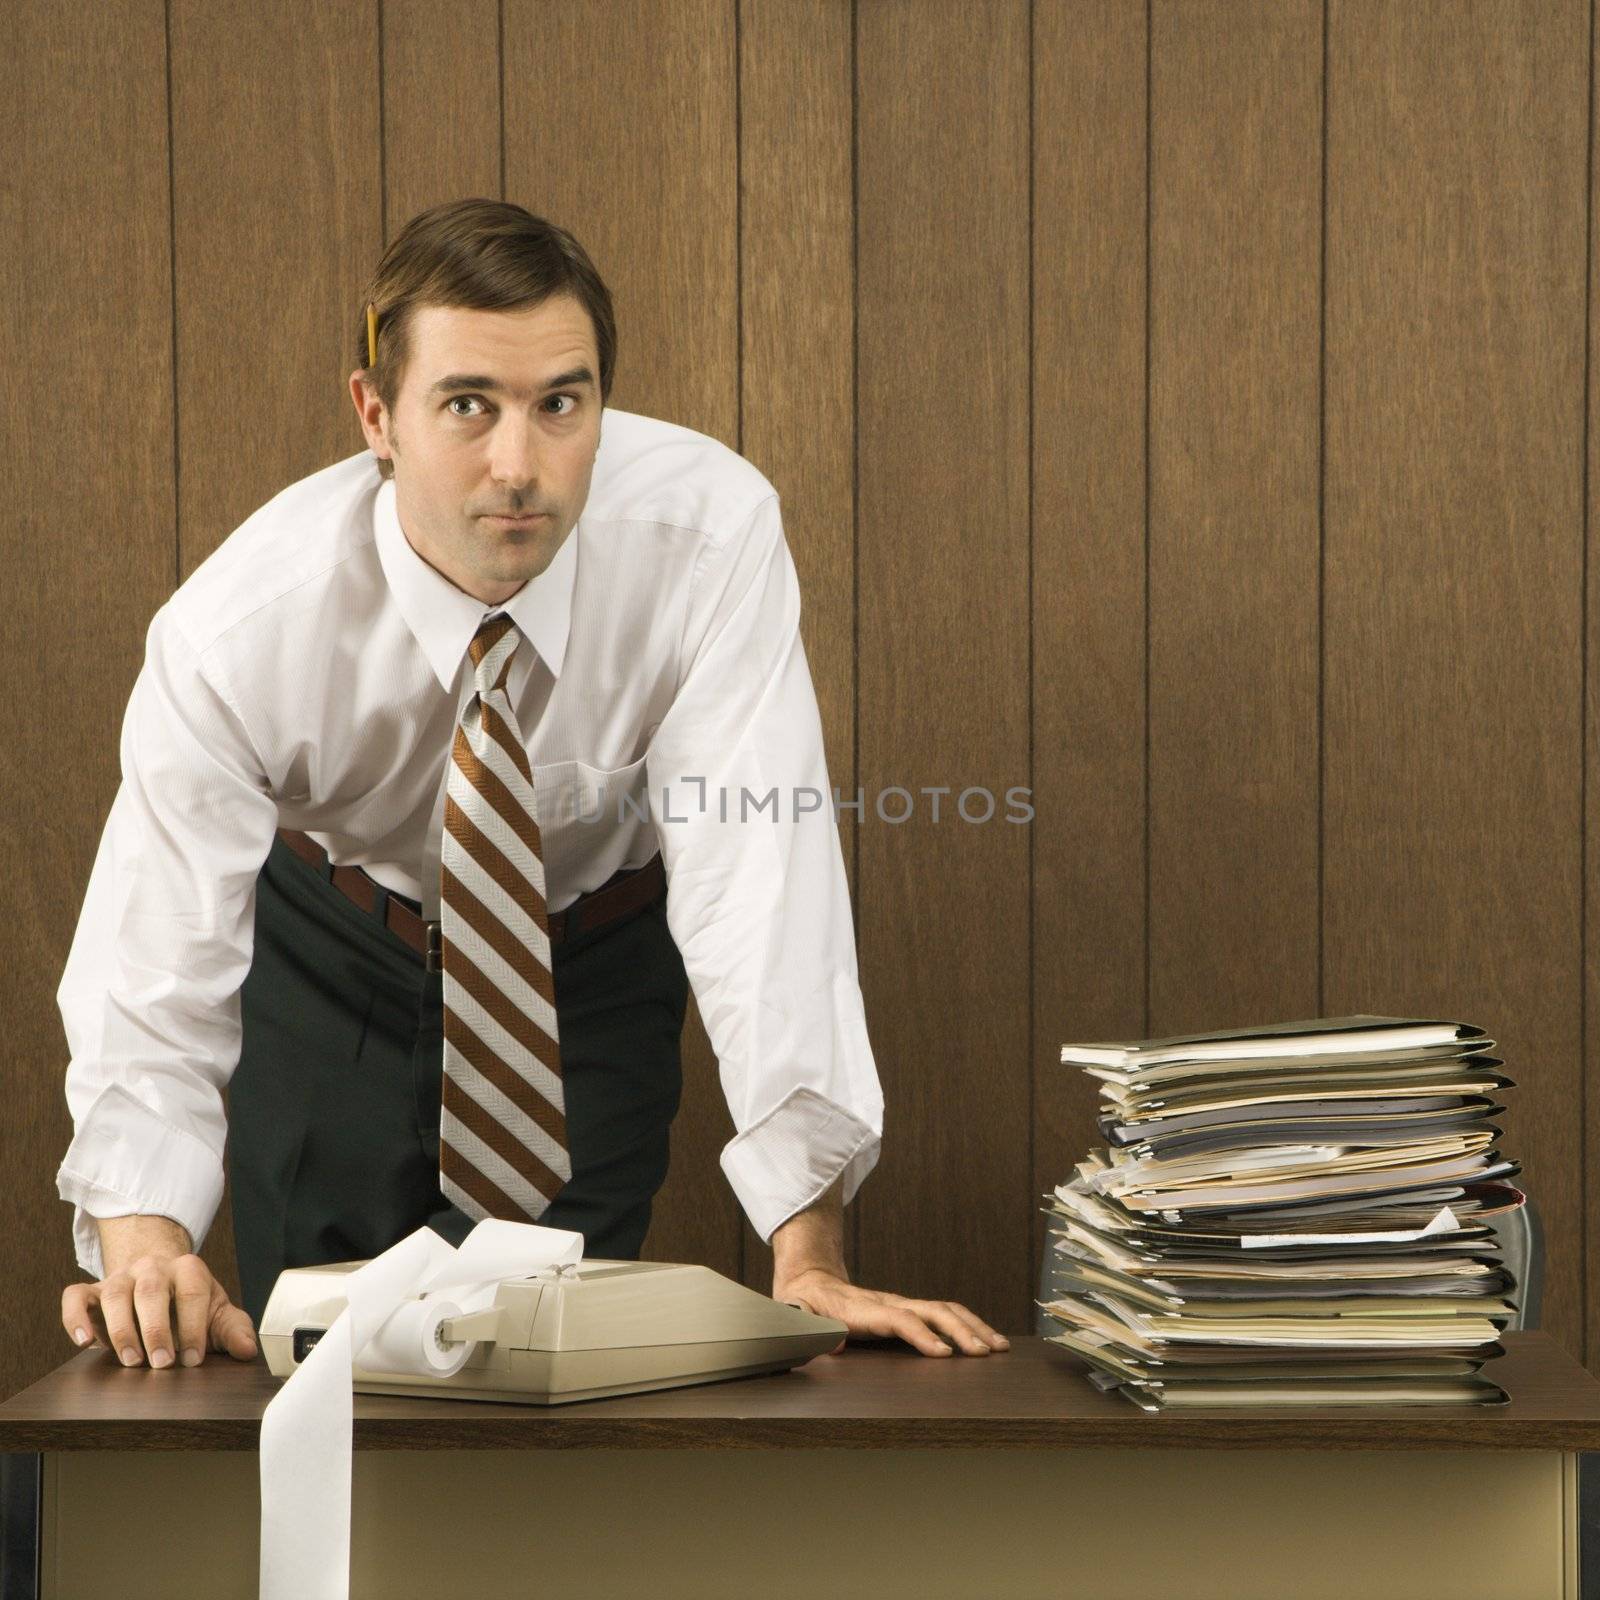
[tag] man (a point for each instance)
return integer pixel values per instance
(411, 763)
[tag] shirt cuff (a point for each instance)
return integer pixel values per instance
(126, 1160)
(785, 1161)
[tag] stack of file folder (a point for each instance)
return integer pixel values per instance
(1288, 1215)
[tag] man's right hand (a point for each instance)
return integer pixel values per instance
(153, 1283)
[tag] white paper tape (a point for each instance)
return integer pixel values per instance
(394, 1305)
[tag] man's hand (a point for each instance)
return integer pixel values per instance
(808, 1271)
(150, 1271)
(874, 1313)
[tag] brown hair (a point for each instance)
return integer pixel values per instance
(480, 255)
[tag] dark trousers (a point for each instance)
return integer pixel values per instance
(333, 1111)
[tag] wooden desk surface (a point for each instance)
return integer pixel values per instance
(869, 1397)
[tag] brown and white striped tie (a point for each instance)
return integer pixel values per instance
(502, 1125)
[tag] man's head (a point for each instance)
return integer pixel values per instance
(478, 404)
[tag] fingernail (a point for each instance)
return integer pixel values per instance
(129, 1355)
(161, 1358)
(80, 1335)
(191, 1358)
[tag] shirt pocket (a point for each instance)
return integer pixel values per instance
(581, 807)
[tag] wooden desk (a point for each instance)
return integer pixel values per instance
(877, 1472)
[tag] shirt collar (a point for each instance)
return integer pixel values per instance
(444, 618)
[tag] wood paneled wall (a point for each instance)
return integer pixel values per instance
(1181, 410)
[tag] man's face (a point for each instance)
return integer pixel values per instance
(482, 428)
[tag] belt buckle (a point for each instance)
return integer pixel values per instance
(435, 956)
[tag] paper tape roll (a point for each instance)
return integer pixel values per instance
(388, 1325)
(409, 1344)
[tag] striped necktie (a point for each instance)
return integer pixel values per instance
(502, 1123)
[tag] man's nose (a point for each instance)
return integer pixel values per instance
(514, 454)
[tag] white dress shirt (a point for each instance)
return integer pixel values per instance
(309, 674)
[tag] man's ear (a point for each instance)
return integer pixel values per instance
(369, 411)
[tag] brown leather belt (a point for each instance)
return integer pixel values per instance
(619, 896)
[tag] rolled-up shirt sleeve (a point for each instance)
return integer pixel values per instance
(758, 902)
(149, 996)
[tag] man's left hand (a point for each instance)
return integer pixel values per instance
(874, 1313)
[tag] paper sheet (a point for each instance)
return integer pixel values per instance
(1443, 1222)
(306, 1428)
